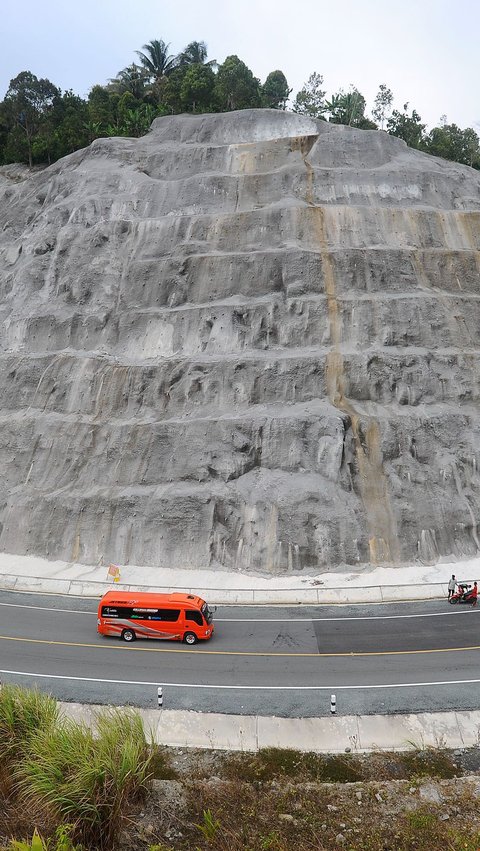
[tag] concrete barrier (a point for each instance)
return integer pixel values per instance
(334, 734)
(313, 596)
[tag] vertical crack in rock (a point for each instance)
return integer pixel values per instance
(383, 539)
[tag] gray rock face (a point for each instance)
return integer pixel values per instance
(247, 340)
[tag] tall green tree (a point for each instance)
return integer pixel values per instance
(156, 60)
(235, 86)
(131, 79)
(310, 100)
(383, 103)
(68, 126)
(196, 53)
(406, 127)
(102, 109)
(27, 103)
(197, 88)
(275, 90)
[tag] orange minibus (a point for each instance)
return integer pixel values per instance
(131, 615)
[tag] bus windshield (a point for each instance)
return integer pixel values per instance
(207, 614)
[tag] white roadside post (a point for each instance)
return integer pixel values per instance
(160, 697)
(333, 704)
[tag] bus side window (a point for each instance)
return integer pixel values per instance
(116, 612)
(170, 615)
(194, 616)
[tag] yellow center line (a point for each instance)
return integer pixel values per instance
(236, 652)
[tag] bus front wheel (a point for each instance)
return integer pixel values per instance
(128, 635)
(190, 638)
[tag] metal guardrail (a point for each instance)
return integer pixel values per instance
(316, 595)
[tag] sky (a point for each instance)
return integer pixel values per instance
(426, 51)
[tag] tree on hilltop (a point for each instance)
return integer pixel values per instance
(452, 143)
(157, 61)
(196, 53)
(406, 127)
(310, 100)
(235, 86)
(27, 104)
(383, 102)
(131, 79)
(349, 108)
(275, 90)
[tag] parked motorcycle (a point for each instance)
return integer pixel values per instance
(463, 594)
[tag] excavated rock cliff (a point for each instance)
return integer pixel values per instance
(248, 340)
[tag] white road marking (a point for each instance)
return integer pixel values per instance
(48, 609)
(360, 618)
(238, 687)
(267, 620)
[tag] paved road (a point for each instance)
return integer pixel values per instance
(287, 661)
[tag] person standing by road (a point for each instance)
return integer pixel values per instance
(473, 594)
(451, 586)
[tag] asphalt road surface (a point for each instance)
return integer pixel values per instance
(404, 657)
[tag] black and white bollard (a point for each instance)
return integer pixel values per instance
(160, 697)
(333, 704)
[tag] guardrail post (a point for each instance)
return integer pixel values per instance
(333, 704)
(160, 697)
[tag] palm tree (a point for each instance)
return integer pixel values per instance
(132, 79)
(196, 53)
(156, 61)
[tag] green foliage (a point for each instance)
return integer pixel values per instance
(131, 79)
(406, 127)
(270, 763)
(275, 90)
(86, 779)
(195, 53)
(347, 108)
(210, 826)
(39, 124)
(160, 766)
(310, 100)
(156, 61)
(61, 842)
(27, 105)
(235, 86)
(452, 143)
(197, 88)
(23, 712)
(428, 763)
(383, 103)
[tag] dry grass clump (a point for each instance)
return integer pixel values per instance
(238, 816)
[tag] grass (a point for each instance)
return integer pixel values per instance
(272, 763)
(23, 712)
(54, 771)
(278, 799)
(428, 763)
(161, 764)
(88, 780)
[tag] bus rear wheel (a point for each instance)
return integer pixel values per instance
(128, 635)
(190, 638)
